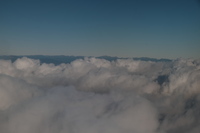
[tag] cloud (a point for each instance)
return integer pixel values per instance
(13, 91)
(96, 95)
(67, 110)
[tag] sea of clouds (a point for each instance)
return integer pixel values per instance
(99, 96)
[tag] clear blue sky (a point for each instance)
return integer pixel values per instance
(124, 28)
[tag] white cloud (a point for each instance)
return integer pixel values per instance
(96, 95)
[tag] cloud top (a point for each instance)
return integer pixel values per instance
(94, 95)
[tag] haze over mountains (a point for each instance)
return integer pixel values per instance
(67, 59)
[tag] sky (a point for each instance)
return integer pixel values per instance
(123, 28)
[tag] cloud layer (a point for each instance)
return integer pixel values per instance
(95, 95)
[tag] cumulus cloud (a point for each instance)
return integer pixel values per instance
(93, 95)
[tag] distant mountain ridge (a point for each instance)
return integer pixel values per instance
(58, 59)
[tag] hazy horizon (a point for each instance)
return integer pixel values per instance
(120, 57)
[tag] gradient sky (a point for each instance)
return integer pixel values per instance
(124, 28)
